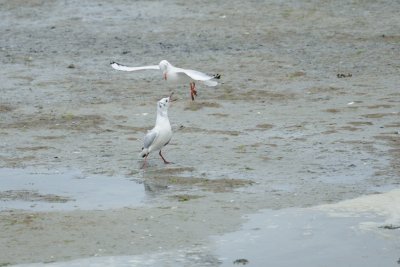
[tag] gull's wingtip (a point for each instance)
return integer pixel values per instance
(115, 65)
(217, 76)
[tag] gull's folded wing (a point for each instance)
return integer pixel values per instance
(149, 138)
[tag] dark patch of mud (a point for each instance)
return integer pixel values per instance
(332, 110)
(330, 89)
(177, 170)
(6, 108)
(393, 141)
(132, 128)
(222, 115)
(378, 115)
(120, 117)
(391, 38)
(329, 132)
(380, 106)
(185, 197)
(212, 185)
(360, 123)
(29, 195)
(265, 126)
(50, 137)
(251, 95)
(390, 227)
(17, 161)
(195, 105)
(34, 148)
(296, 74)
(200, 130)
(66, 121)
(20, 219)
(350, 128)
(169, 180)
(393, 125)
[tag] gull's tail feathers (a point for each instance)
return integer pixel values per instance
(144, 152)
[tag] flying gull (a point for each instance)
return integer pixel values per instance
(174, 74)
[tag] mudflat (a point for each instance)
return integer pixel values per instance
(307, 113)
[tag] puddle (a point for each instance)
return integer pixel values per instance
(356, 232)
(69, 190)
(306, 238)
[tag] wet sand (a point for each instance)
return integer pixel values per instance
(307, 113)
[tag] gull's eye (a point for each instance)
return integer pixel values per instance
(166, 100)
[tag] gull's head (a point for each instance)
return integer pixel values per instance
(164, 103)
(164, 65)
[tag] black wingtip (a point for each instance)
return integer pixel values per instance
(217, 76)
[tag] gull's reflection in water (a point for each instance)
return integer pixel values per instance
(155, 183)
(159, 180)
(153, 188)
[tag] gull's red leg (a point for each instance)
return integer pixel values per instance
(144, 163)
(165, 161)
(193, 91)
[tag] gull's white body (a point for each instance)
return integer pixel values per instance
(161, 134)
(177, 77)
(173, 74)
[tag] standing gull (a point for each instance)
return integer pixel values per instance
(174, 74)
(161, 134)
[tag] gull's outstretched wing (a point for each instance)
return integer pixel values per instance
(118, 66)
(198, 76)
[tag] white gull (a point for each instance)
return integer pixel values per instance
(174, 74)
(161, 134)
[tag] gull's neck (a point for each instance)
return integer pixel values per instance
(162, 117)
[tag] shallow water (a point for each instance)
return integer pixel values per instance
(300, 237)
(67, 190)
(287, 237)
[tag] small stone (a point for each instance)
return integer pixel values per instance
(241, 261)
